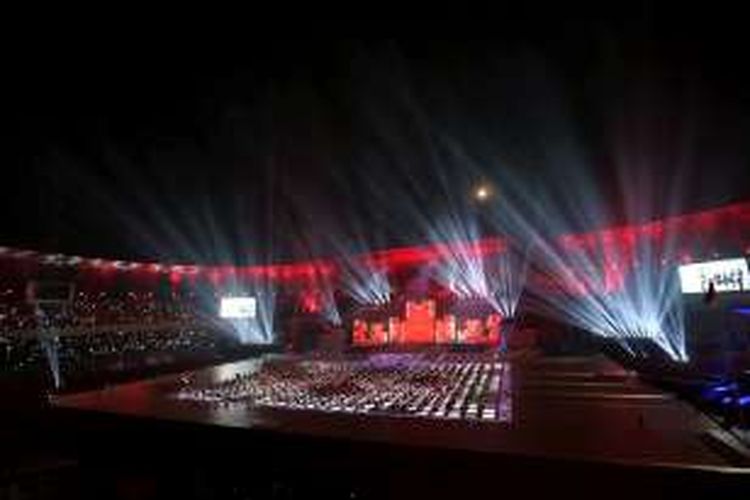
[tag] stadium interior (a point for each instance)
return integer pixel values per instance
(419, 364)
(419, 259)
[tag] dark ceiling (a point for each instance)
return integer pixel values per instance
(279, 147)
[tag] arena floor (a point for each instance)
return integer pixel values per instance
(586, 408)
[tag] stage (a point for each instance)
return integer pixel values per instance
(587, 409)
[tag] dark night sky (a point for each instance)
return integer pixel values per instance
(163, 151)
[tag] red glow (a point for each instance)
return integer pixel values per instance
(175, 278)
(311, 302)
(445, 330)
(214, 276)
(695, 234)
(394, 330)
(420, 325)
(419, 322)
(398, 258)
(360, 333)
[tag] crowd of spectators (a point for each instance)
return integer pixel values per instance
(93, 308)
(105, 330)
(86, 352)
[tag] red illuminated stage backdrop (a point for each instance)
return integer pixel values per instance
(419, 323)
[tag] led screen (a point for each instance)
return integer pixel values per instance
(420, 324)
(728, 275)
(237, 307)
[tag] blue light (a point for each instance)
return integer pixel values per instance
(723, 388)
(742, 310)
(726, 400)
(743, 401)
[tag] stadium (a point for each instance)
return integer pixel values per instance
(428, 364)
(385, 270)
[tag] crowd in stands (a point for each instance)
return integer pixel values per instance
(99, 330)
(92, 308)
(75, 353)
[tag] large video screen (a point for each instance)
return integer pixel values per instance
(420, 324)
(238, 307)
(728, 275)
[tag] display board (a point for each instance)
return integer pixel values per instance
(238, 308)
(727, 275)
(419, 324)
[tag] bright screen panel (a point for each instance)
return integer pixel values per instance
(727, 275)
(238, 307)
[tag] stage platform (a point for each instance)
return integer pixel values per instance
(586, 408)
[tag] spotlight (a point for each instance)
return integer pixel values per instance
(482, 192)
